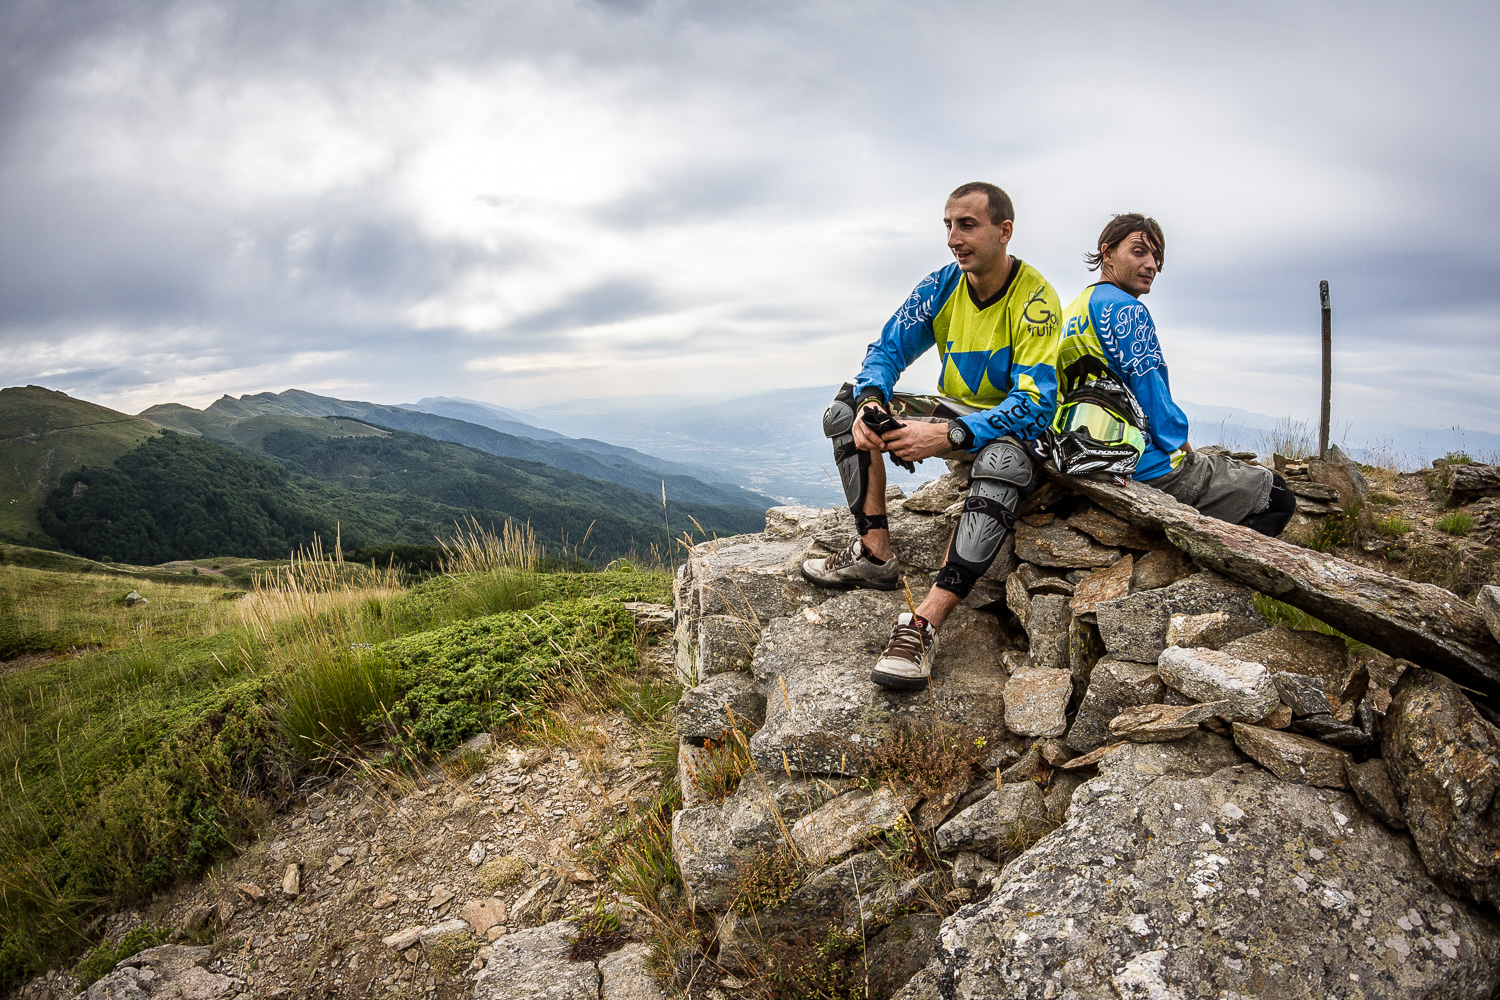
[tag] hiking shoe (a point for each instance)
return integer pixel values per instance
(907, 661)
(850, 566)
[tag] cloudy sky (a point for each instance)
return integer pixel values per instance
(576, 198)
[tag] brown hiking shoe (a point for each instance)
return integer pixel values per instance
(906, 663)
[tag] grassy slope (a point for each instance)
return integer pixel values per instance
(43, 436)
(140, 763)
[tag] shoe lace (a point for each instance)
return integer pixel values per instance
(845, 556)
(907, 642)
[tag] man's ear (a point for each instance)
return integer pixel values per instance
(1007, 229)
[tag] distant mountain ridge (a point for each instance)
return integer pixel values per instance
(595, 460)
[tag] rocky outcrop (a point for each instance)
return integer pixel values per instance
(1417, 621)
(1444, 761)
(1181, 872)
(170, 971)
(1235, 825)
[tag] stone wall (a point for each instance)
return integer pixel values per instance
(1125, 781)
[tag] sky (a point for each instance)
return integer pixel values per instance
(534, 202)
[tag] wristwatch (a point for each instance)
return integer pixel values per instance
(959, 435)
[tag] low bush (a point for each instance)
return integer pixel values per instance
(927, 756)
(1457, 523)
(104, 957)
(1394, 526)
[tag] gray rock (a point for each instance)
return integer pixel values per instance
(626, 975)
(1177, 877)
(1106, 529)
(1036, 702)
(1060, 795)
(169, 971)
(1108, 583)
(1047, 628)
(749, 577)
(1292, 757)
(1135, 627)
(1488, 603)
(1336, 471)
(1208, 631)
(823, 714)
(1006, 820)
(1084, 650)
(718, 705)
(1159, 723)
(937, 495)
(1330, 730)
(1470, 481)
(1050, 542)
(291, 880)
(1298, 651)
(134, 599)
(724, 644)
(1114, 686)
(1018, 599)
(534, 963)
(900, 951)
(1444, 761)
(1302, 693)
(842, 824)
(1208, 675)
(1371, 784)
(1042, 581)
(1160, 568)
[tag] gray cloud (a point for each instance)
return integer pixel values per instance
(279, 193)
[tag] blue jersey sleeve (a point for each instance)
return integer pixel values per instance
(906, 334)
(1128, 335)
(1025, 412)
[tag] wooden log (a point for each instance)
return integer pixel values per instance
(1428, 625)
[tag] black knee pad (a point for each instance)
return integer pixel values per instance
(853, 464)
(1001, 471)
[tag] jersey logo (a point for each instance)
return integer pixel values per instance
(1037, 314)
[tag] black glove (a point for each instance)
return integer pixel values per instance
(882, 422)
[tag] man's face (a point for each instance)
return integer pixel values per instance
(1131, 264)
(977, 243)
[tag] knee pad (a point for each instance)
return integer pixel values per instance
(853, 464)
(1001, 471)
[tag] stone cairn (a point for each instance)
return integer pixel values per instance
(1160, 794)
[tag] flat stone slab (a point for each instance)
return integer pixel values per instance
(1114, 685)
(1209, 675)
(1053, 543)
(1010, 817)
(1107, 584)
(1488, 603)
(1207, 631)
(1371, 784)
(1135, 627)
(1047, 631)
(1159, 568)
(720, 704)
(1297, 651)
(840, 825)
(1175, 876)
(1106, 529)
(1293, 758)
(824, 715)
(1036, 701)
(534, 963)
(1304, 694)
(1159, 723)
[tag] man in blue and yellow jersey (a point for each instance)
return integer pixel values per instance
(995, 322)
(1108, 328)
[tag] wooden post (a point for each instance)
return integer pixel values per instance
(1327, 370)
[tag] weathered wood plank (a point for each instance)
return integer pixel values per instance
(1428, 625)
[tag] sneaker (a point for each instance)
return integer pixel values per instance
(907, 661)
(851, 567)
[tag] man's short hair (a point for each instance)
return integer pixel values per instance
(1119, 229)
(1001, 209)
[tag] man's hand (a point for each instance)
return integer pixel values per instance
(917, 440)
(866, 439)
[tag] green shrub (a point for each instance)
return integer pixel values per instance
(1458, 458)
(1334, 531)
(1394, 526)
(1384, 499)
(1458, 523)
(1280, 613)
(457, 681)
(104, 957)
(332, 704)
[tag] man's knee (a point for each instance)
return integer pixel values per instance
(1001, 472)
(838, 419)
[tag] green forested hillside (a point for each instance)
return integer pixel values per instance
(44, 435)
(178, 497)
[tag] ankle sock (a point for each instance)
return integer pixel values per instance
(872, 557)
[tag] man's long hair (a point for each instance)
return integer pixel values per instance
(1119, 229)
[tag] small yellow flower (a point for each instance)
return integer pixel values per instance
(980, 742)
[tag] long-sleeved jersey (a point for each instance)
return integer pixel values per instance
(1109, 325)
(998, 355)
